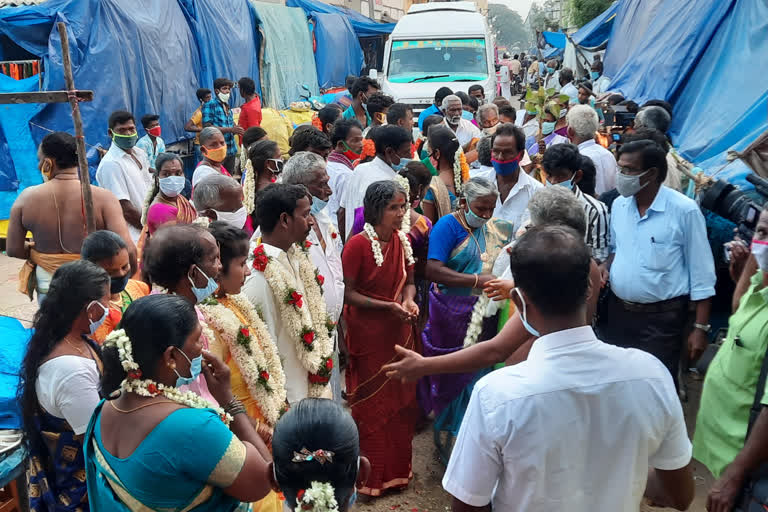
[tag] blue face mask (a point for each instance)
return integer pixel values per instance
(399, 167)
(595, 75)
(548, 127)
(567, 184)
(550, 70)
(203, 293)
(94, 325)
(524, 316)
(317, 205)
(507, 167)
(195, 368)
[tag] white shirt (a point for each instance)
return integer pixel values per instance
(605, 165)
(465, 131)
(202, 172)
(354, 191)
(570, 90)
(531, 128)
(339, 175)
(574, 427)
(68, 387)
(328, 263)
(119, 174)
(260, 294)
(514, 208)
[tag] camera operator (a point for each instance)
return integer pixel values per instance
(660, 261)
(731, 381)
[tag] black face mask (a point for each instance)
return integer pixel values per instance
(118, 284)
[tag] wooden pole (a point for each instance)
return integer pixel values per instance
(85, 178)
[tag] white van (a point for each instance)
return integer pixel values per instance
(439, 44)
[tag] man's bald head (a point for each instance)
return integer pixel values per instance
(218, 192)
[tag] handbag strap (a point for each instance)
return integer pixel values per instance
(757, 405)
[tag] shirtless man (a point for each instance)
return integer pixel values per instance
(53, 213)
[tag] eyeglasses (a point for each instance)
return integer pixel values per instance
(629, 171)
(278, 165)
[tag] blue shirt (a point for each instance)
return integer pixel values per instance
(350, 114)
(152, 151)
(426, 113)
(215, 114)
(664, 254)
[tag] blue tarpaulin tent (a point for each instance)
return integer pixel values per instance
(362, 25)
(338, 51)
(554, 39)
(598, 31)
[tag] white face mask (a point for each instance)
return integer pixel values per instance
(628, 185)
(171, 186)
(760, 252)
(236, 219)
(224, 97)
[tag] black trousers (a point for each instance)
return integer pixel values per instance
(658, 333)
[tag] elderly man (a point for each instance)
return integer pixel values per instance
(582, 126)
(220, 197)
(124, 170)
(52, 212)
(465, 131)
(658, 118)
(661, 262)
(440, 95)
(309, 169)
(488, 118)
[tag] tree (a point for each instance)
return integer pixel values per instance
(538, 20)
(582, 12)
(508, 27)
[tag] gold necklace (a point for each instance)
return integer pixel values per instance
(126, 411)
(465, 225)
(76, 347)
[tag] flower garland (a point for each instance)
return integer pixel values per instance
(249, 187)
(253, 350)
(320, 497)
(403, 182)
(460, 170)
(378, 257)
(475, 327)
(133, 383)
(306, 320)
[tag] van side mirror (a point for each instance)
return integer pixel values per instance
(373, 74)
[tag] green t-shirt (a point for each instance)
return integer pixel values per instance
(731, 382)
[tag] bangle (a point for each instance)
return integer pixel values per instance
(477, 279)
(234, 407)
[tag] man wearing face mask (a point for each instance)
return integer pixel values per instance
(285, 219)
(220, 197)
(635, 442)
(309, 170)
(361, 90)
(125, 170)
(377, 107)
(347, 142)
(393, 152)
(660, 262)
(52, 212)
(218, 113)
(151, 143)
(464, 129)
(184, 260)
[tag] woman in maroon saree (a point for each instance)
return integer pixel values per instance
(380, 314)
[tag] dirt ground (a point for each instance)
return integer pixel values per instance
(425, 494)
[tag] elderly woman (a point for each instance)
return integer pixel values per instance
(379, 313)
(462, 249)
(62, 369)
(108, 250)
(445, 156)
(214, 150)
(151, 446)
(265, 163)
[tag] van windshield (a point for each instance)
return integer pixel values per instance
(438, 60)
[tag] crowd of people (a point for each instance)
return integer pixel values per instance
(271, 329)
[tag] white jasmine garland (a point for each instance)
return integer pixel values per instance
(255, 355)
(320, 497)
(406, 247)
(378, 257)
(403, 182)
(457, 170)
(133, 383)
(249, 187)
(475, 326)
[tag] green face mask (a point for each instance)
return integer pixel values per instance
(125, 142)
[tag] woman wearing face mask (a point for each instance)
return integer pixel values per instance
(152, 446)
(445, 157)
(214, 149)
(462, 249)
(265, 163)
(244, 344)
(62, 367)
(184, 261)
(380, 312)
(108, 250)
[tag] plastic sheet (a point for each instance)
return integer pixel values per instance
(554, 39)
(287, 50)
(12, 350)
(362, 25)
(338, 51)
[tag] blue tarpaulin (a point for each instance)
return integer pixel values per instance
(362, 25)
(12, 351)
(554, 39)
(338, 51)
(598, 31)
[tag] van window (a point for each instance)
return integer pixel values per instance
(438, 60)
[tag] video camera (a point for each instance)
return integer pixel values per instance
(727, 201)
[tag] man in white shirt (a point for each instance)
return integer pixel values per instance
(582, 126)
(393, 151)
(566, 84)
(464, 129)
(124, 170)
(580, 423)
(309, 169)
(285, 220)
(347, 142)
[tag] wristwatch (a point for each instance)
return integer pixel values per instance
(704, 327)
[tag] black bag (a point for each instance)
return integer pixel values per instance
(754, 496)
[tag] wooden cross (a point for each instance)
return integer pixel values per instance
(73, 97)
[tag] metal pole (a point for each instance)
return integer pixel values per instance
(85, 179)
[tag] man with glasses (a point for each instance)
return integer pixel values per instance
(660, 262)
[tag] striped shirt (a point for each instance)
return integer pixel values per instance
(598, 229)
